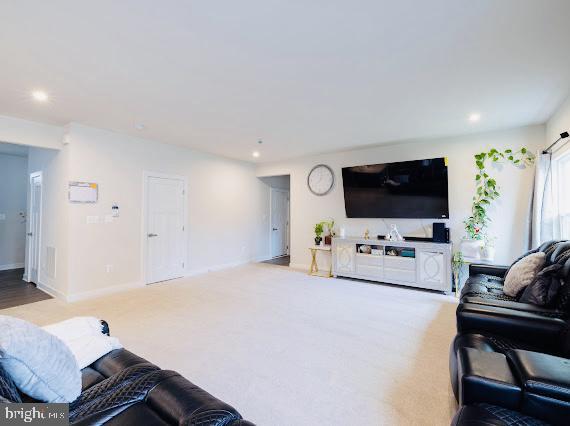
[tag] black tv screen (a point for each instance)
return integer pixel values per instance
(407, 189)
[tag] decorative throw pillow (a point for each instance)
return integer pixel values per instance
(40, 364)
(8, 389)
(522, 273)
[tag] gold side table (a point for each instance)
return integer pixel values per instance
(314, 270)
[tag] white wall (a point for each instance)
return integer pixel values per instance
(24, 132)
(55, 227)
(509, 214)
(558, 123)
(13, 189)
(227, 208)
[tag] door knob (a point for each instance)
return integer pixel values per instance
(152, 235)
(275, 229)
(29, 234)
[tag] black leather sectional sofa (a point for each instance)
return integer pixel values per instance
(509, 363)
(122, 388)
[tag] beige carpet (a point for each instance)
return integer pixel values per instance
(288, 349)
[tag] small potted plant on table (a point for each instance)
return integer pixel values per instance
(318, 233)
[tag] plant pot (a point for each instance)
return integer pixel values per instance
(328, 240)
(488, 253)
(471, 249)
(318, 241)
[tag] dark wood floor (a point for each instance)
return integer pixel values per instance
(15, 292)
(283, 261)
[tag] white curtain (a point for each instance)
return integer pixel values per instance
(544, 212)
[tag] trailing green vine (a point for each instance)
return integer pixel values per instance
(486, 189)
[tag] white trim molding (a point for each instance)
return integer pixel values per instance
(105, 291)
(9, 266)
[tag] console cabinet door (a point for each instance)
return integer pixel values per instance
(344, 258)
(432, 270)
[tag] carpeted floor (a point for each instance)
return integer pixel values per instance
(288, 349)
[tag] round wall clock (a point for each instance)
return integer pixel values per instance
(320, 179)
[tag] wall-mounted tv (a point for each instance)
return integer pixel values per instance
(407, 189)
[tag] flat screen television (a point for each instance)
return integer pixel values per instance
(407, 189)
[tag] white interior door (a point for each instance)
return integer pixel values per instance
(34, 227)
(165, 232)
(279, 222)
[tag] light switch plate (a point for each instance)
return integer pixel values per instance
(2, 216)
(92, 219)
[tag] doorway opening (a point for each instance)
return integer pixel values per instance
(20, 228)
(279, 219)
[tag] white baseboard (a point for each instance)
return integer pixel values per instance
(9, 266)
(105, 291)
(51, 291)
(214, 268)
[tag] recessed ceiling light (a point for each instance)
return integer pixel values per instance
(40, 96)
(475, 117)
(255, 154)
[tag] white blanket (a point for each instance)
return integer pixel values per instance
(84, 338)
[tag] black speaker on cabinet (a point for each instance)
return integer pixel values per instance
(440, 233)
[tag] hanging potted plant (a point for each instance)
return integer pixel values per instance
(318, 233)
(486, 191)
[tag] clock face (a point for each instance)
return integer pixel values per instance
(321, 179)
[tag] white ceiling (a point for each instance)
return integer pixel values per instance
(12, 149)
(304, 76)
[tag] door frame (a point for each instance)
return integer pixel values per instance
(144, 217)
(288, 192)
(28, 272)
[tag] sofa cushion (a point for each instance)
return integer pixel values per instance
(39, 363)
(522, 273)
(116, 393)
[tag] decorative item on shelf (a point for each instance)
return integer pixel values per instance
(394, 234)
(391, 252)
(486, 191)
(365, 249)
(367, 234)
(320, 179)
(457, 263)
(376, 252)
(318, 233)
(329, 225)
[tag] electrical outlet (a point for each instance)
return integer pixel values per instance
(109, 268)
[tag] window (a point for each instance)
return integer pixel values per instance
(561, 183)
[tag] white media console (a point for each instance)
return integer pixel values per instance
(412, 263)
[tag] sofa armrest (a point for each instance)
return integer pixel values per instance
(495, 270)
(536, 330)
(545, 380)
